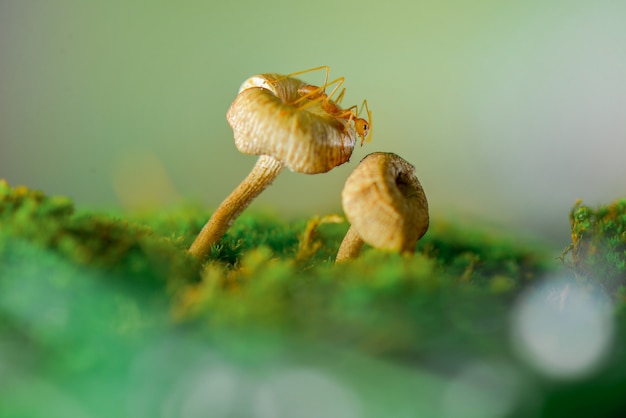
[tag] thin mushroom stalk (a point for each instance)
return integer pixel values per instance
(385, 204)
(262, 175)
(350, 245)
(266, 122)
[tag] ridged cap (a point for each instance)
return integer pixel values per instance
(303, 136)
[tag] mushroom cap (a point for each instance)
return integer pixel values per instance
(385, 203)
(302, 136)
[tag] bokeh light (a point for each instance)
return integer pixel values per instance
(563, 329)
(305, 393)
(213, 389)
(484, 390)
(197, 382)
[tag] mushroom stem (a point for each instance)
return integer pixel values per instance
(350, 246)
(262, 175)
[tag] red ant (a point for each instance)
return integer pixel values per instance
(318, 94)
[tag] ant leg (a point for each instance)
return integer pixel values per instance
(339, 81)
(340, 97)
(369, 120)
(315, 93)
(310, 70)
(320, 97)
(358, 109)
(367, 109)
(326, 68)
(353, 109)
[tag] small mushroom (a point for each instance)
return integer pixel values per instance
(385, 204)
(271, 119)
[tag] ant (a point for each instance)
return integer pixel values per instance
(318, 94)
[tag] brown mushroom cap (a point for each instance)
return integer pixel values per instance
(302, 136)
(385, 203)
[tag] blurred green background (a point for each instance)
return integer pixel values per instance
(509, 110)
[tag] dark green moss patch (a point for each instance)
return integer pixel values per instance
(126, 249)
(598, 249)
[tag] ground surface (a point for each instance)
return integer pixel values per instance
(104, 315)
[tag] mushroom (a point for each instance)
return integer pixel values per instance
(385, 204)
(270, 118)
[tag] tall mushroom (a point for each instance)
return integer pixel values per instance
(385, 204)
(266, 122)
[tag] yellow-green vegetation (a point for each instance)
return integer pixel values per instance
(123, 247)
(92, 303)
(598, 248)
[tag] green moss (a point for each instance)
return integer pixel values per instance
(132, 244)
(89, 294)
(128, 249)
(279, 274)
(598, 249)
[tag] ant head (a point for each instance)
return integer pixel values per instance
(362, 128)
